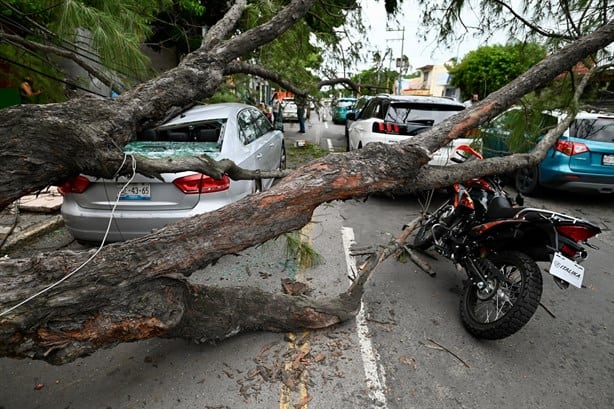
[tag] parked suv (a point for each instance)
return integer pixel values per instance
(581, 160)
(394, 118)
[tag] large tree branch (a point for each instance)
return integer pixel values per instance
(104, 126)
(236, 67)
(265, 33)
(224, 26)
(148, 297)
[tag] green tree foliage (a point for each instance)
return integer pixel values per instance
(116, 30)
(297, 54)
(488, 68)
(557, 21)
(381, 78)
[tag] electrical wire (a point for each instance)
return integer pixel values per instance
(50, 76)
(60, 42)
(67, 276)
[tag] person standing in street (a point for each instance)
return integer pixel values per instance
(300, 111)
(474, 100)
(278, 119)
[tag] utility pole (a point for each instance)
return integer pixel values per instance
(400, 61)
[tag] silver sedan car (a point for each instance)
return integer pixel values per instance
(232, 131)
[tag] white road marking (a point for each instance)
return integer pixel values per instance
(374, 372)
(329, 142)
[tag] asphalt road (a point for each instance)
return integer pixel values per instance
(406, 349)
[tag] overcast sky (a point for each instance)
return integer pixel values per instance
(420, 52)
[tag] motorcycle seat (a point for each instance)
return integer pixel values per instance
(500, 207)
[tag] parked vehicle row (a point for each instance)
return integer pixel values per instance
(582, 159)
(222, 131)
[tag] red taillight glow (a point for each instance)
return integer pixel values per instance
(74, 185)
(384, 127)
(570, 148)
(568, 251)
(576, 233)
(198, 183)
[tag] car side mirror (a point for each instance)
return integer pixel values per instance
(351, 116)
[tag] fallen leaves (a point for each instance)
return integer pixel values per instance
(409, 361)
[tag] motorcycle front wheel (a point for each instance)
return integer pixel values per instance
(423, 239)
(501, 308)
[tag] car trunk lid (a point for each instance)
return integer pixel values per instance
(146, 193)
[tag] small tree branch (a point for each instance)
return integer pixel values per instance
(203, 164)
(103, 77)
(346, 81)
(532, 26)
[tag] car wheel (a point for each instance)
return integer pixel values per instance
(347, 140)
(527, 181)
(283, 160)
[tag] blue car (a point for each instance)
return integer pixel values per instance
(342, 107)
(581, 160)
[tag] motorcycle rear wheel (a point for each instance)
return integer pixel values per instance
(506, 307)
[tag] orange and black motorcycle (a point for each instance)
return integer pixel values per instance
(498, 243)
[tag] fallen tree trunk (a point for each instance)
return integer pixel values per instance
(129, 292)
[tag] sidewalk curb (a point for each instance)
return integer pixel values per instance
(33, 231)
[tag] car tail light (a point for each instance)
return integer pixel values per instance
(385, 127)
(200, 183)
(576, 233)
(74, 185)
(570, 148)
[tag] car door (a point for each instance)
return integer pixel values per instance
(257, 140)
(269, 144)
(248, 134)
(360, 129)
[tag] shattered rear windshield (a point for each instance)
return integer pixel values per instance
(184, 140)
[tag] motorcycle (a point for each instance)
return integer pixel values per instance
(497, 242)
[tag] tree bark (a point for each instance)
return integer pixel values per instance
(129, 292)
